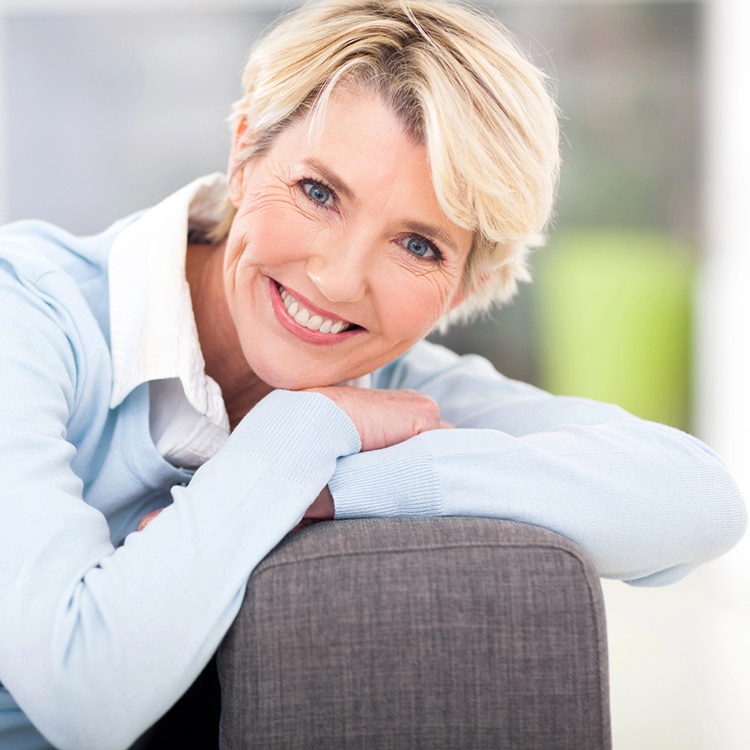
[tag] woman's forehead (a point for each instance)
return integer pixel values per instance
(361, 149)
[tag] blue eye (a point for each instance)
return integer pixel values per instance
(421, 247)
(317, 192)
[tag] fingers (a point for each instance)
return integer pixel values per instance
(146, 520)
(322, 507)
(385, 417)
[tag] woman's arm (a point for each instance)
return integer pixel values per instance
(97, 642)
(647, 502)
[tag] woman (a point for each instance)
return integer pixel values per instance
(247, 356)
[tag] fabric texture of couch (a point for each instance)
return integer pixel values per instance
(418, 633)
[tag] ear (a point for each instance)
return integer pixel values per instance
(237, 162)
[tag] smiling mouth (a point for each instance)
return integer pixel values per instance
(311, 320)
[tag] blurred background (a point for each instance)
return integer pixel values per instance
(106, 106)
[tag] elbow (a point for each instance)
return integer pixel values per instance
(681, 509)
(82, 734)
(704, 519)
(719, 512)
(79, 720)
(729, 523)
(706, 495)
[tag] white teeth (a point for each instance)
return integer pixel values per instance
(314, 323)
(311, 321)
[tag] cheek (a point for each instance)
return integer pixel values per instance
(413, 304)
(271, 237)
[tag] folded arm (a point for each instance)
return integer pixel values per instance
(647, 502)
(97, 640)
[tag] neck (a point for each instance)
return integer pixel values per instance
(241, 388)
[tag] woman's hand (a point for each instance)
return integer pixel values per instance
(321, 510)
(384, 417)
(146, 520)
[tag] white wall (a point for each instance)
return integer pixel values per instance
(3, 124)
(680, 656)
(723, 365)
(722, 361)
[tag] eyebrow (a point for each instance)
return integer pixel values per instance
(429, 231)
(330, 177)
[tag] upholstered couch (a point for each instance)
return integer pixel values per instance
(418, 633)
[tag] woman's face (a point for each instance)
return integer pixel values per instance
(339, 257)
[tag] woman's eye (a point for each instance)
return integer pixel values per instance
(420, 247)
(318, 193)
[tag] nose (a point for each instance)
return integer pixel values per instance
(339, 270)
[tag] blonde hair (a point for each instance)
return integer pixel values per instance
(460, 85)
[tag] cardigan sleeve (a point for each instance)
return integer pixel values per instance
(97, 642)
(646, 502)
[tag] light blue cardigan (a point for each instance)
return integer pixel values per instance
(102, 629)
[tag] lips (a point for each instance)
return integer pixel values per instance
(310, 319)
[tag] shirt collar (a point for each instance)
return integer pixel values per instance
(152, 326)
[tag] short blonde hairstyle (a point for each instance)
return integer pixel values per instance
(460, 85)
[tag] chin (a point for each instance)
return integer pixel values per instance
(290, 381)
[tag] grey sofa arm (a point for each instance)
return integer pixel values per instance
(418, 633)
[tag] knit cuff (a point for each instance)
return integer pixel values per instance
(395, 481)
(295, 432)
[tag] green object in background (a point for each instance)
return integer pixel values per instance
(614, 317)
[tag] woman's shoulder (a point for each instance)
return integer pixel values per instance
(52, 268)
(33, 248)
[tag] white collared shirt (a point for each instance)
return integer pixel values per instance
(153, 331)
